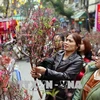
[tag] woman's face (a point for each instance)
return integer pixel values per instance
(97, 63)
(99, 52)
(82, 47)
(70, 44)
(57, 42)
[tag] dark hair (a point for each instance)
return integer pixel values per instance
(77, 31)
(77, 39)
(87, 45)
(72, 28)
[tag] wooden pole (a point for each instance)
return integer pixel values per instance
(88, 19)
(86, 4)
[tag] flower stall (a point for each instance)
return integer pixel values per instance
(7, 28)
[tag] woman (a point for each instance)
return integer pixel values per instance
(57, 44)
(85, 51)
(65, 65)
(90, 83)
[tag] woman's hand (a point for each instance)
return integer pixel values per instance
(35, 75)
(38, 71)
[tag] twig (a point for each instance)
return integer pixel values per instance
(10, 95)
(3, 95)
(23, 52)
(35, 78)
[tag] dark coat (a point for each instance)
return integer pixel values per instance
(67, 71)
(56, 71)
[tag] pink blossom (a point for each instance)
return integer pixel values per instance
(6, 80)
(54, 19)
(10, 52)
(5, 89)
(23, 28)
(1, 75)
(26, 24)
(35, 24)
(34, 18)
(25, 91)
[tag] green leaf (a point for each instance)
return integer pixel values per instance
(49, 93)
(53, 93)
(40, 32)
(56, 92)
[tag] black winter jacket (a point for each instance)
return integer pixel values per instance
(67, 71)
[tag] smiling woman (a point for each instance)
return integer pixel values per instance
(90, 83)
(64, 65)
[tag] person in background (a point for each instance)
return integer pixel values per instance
(90, 83)
(78, 31)
(98, 53)
(85, 51)
(64, 65)
(96, 48)
(57, 44)
(73, 30)
(95, 57)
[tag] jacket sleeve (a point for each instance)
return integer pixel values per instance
(47, 63)
(70, 72)
(77, 95)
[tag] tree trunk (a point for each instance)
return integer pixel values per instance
(7, 7)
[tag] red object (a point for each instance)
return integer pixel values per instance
(86, 60)
(54, 19)
(6, 25)
(81, 74)
(1, 27)
(97, 17)
(1, 72)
